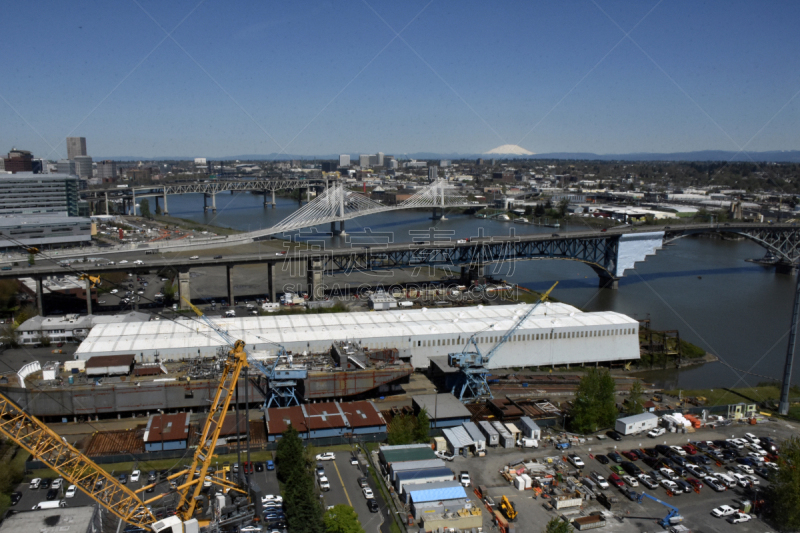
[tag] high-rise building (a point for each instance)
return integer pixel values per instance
(433, 173)
(76, 146)
(380, 159)
(393, 164)
(444, 163)
(363, 161)
(26, 193)
(83, 166)
(329, 166)
(344, 160)
(107, 170)
(65, 166)
(18, 161)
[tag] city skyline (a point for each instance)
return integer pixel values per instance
(319, 79)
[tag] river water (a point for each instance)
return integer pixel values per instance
(702, 287)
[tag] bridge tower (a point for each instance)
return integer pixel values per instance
(438, 199)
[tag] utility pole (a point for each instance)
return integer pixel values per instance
(783, 406)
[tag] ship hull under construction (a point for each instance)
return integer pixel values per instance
(117, 398)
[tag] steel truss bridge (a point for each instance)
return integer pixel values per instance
(267, 184)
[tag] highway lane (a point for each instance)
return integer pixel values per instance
(151, 261)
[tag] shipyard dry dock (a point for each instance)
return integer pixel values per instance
(112, 386)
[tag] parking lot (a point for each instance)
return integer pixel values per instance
(694, 507)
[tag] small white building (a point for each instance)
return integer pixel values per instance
(530, 428)
(381, 301)
(69, 328)
(636, 423)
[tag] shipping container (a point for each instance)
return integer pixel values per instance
(636, 424)
(529, 428)
(506, 439)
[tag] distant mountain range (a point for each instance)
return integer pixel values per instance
(777, 156)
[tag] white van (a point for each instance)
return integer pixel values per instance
(726, 480)
(230, 313)
(55, 504)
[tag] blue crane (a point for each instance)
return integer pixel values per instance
(672, 518)
(472, 363)
(282, 384)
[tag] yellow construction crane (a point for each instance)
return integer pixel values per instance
(94, 280)
(48, 447)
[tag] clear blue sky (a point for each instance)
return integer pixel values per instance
(464, 77)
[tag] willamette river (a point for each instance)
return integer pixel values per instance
(702, 287)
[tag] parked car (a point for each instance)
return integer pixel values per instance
(135, 476)
(354, 459)
(647, 481)
(57, 482)
(723, 511)
(600, 480)
(715, 484)
(441, 454)
(614, 456)
(695, 483)
(630, 480)
(670, 486)
(656, 432)
(615, 480)
(270, 465)
(372, 505)
(602, 459)
(613, 435)
(15, 497)
(738, 518)
(367, 492)
(464, 479)
(576, 461)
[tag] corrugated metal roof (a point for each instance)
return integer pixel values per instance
(442, 493)
(362, 414)
(441, 406)
(428, 473)
(635, 419)
(458, 437)
(474, 432)
(409, 454)
(167, 427)
(417, 465)
(192, 334)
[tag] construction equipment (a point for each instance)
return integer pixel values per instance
(94, 280)
(472, 364)
(672, 518)
(54, 451)
(282, 383)
(508, 508)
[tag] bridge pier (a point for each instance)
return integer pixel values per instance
(205, 202)
(106, 204)
(214, 202)
(229, 278)
(271, 281)
(273, 198)
(133, 202)
(166, 211)
(184, 289)
(472, 272)
(316, 290)
(786, 268)
(88, 296)
(608, 282)
(39, 294)
(340, 231)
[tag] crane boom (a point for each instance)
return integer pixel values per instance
(235, 362)
(672, 517)
(472, 364)
(51, 449)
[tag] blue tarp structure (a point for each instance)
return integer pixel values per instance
(440, 494)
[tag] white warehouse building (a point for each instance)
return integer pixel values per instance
(555, 333)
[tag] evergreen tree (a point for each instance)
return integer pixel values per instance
(423, 429)
(342, 519)
(635, 403)
(594, 406)
(783, 493)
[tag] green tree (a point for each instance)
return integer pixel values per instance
(422, 432)
(784, 489)
(342, 519)
(158, 209)
(8, 295)
(144, 208)
(635, 398)
(556, 525)
(31, 260)
(402, 430)
(539, 211)
(169, 292)
(562, 207)
(289, 454)
(594, 406)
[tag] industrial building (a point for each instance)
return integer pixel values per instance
(76, 146)
(444, 410)
(323, 420)
(439, 497)
(636, 423)
(389, 455)
(43, 231)
(555, 333)
(84, 519)
(26, 193)
(167, 432)
(68, 328)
